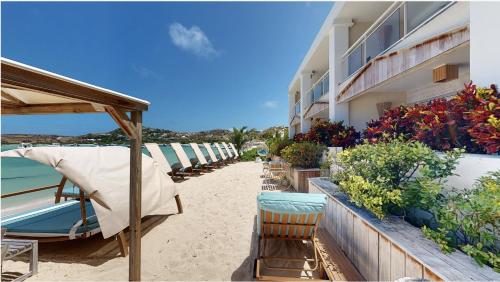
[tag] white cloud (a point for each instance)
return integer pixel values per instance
(145, 72)
(271, 104)
(192, 39)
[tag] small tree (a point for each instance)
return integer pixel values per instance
(239, 137)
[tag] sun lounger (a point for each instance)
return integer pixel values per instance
(229, 152)
(287, 216)
(183, 158)
(212, 156)
(102, 175)
(193, 158)
(216, 147)
(236, 154)
(202, 159)
(11, 248)
(61, 221)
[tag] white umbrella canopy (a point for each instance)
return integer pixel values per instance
(104, 174)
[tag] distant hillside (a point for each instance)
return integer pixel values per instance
(117, 136)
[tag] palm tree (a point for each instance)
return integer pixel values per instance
(239, 137)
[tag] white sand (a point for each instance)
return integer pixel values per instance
(211, 240)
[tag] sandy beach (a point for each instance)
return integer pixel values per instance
(211, 240)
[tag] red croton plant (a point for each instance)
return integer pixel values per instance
(328, 133)
(469, 120)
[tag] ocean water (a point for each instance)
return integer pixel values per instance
(19, 174)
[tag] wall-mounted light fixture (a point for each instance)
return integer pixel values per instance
(312, 74)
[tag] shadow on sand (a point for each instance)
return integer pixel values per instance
(92, 251)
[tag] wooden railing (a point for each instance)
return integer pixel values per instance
(392, 248)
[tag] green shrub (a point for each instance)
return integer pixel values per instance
(278, 142)
(250, 155)
(470, 221)
(382, 176)
(304, 154)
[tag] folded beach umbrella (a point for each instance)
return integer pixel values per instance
(103, 174)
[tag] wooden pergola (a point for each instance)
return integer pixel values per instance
(30, 91)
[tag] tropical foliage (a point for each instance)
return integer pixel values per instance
(383, 176)
(331, 134)
(278, 142)
(470, 120)
(250, 155)
(303, 154)
(239, 137)
(470, 220)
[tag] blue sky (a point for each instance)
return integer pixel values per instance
(201, 65)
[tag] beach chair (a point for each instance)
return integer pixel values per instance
(211, 153)
(236, 154)
(287, 216)
(230, 153)
(12, 248)
(202, 160)
(187, 168)
(220, 153)
(102, 206)
(193, 158)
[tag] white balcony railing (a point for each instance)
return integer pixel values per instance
(318, 89)
(396, 23)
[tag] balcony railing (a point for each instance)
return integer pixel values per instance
(319, 88)
(295, 111)
(397, 22)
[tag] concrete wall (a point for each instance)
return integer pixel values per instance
(485, 42)
(470, 168)
(364, 108)
(439, 90)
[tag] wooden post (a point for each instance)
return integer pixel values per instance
(179, 204)
(135, 197)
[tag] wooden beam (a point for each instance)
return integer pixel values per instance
(135, 197)
(29, 191)
(121, 118)
(41, 109)
(11, 98)
(60, 188)
(25, 78)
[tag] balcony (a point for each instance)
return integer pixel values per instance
(295, 114)
(397, 22)
(317, 96)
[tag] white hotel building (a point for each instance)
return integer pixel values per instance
(370, 56)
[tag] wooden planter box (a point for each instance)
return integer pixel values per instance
(299, 177)
(392, 248)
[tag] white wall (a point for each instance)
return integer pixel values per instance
(484, 43)
(470, 168)
(338, 45)
(439, 90)
(364, 108)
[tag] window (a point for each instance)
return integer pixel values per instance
(418, 12)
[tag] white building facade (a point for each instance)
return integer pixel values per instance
(372, 56)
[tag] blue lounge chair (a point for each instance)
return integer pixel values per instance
(209, 154)
(195, 163)
(288, 216)
(57, 222)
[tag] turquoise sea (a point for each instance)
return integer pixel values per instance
(20, 174)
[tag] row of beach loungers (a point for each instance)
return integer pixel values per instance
(95, 186)
(187, 159)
